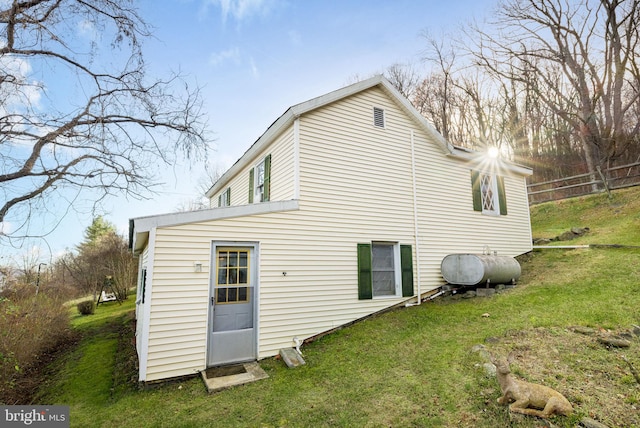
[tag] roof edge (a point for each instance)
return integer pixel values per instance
(142, 225)
(285, 120)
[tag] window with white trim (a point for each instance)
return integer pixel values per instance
(489, 196)
(258, 185)
(224, 200)
(260, 181)
(385, 269)
(385, 277)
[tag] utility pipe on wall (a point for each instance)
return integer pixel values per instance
(415, 215)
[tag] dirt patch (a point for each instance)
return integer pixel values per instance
(595, 378)
(225, 371)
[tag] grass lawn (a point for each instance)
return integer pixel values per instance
(412, 366)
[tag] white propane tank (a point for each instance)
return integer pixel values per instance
(474, 269)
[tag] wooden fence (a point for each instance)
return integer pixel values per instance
(606, 180)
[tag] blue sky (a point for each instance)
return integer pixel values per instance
(255, 58)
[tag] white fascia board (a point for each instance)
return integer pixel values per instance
(285, 121)
(142, 225)
(298, 110)
(447, 147)
(248, 157)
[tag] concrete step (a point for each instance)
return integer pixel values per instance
(218, 378)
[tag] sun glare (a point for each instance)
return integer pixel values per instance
(493, 152)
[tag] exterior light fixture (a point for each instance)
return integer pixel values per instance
(197, 266)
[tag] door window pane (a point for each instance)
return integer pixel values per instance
(242, 276)
(221, 295)
(233, 269)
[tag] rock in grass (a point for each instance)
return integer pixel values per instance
(614, 342)
(591, 423)
(587, 331)
(489, 369)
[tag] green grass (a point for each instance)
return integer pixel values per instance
(614, 220)
(413, 366)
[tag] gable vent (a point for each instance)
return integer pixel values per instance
(378, 117)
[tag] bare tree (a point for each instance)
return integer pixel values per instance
(443, 57)
(580, 59)
(404, 78)
(212, 173)
(79, 117)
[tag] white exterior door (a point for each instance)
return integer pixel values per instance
(232, 305)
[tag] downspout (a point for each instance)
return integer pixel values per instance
(296, 158)
(415, 216)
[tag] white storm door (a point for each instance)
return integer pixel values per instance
(232, 306)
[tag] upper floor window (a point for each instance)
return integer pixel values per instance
(489, 195)
(224, 200)
(260, 181)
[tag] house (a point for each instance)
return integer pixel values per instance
(345, 206)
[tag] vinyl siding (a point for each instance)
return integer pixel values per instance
(355, 187)
(282, 173)
(318, 293)
(356, 178)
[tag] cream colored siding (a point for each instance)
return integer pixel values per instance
(318, 293)
(143, 260)
(282, 173)
(448, 223)
(355, 187)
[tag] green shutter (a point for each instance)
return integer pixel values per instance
(365, 284)
(475, 189)
(406, 267)
(251, 186)
(228, 196)
(502, 196)
(267, 178)
(219, 200)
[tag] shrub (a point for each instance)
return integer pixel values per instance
(30, 327)
(87, 307)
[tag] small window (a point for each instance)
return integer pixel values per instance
(224, 200)
(260, 181)
(489, 195)
(142, 288)
(378, 117)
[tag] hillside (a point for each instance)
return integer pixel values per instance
(414, 366)
(611, 221)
